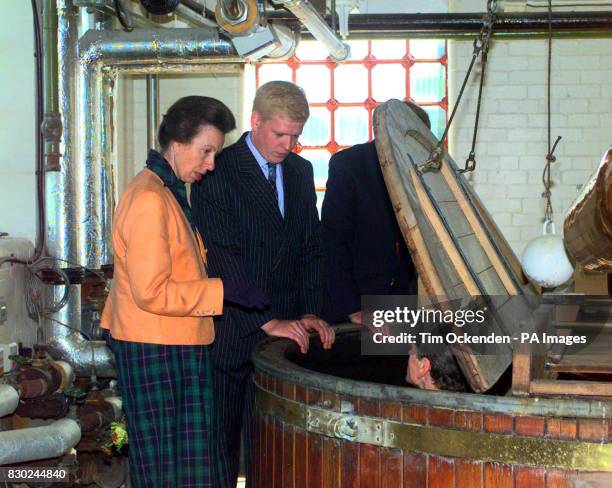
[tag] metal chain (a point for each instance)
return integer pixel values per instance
(470, 162)
(481, 46)
(550, 158)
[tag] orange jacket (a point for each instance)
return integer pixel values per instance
(160, 292)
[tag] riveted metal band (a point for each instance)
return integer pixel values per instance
(478, 446)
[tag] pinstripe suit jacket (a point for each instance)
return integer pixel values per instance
(249, 242)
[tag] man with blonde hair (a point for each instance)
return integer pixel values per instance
(258, 209)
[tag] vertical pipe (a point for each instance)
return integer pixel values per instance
(64, 222)
(61, 208)
(89, 174)
(152, 110)
(52, 127)
(60, 191)
(94, 171)
(89, 169)
(109, 146)
(107, 162)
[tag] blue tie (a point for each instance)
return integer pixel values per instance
(272, 178)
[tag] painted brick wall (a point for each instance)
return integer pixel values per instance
(512, 136)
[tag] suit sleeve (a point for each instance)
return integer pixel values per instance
(216, 219)
(338, 222)
(149, 265)
(311, 280)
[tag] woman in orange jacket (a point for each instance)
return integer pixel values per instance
(161, 304)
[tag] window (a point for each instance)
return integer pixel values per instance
(342, 97)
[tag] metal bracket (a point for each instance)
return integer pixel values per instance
(341, 426)
(434, 163)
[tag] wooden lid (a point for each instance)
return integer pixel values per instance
(458, 250)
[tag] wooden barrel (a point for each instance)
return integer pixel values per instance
(587, 229)
(318, 425)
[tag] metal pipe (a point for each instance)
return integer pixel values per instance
(468, 24)
(60, 187)
(89, 358)
(287, 40)
(200, 9)
(9, 399)
(308, 15)
(108, 138)
(152, 109)
(52, 125)
(108, 7)
(148, 46)
(23, 445)
(68, 225)
(206, 66)
(188, 15)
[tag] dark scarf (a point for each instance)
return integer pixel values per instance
(158, 164)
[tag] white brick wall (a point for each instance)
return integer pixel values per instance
(512, 139)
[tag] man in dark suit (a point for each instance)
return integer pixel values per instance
(258, 219)
(365, 252)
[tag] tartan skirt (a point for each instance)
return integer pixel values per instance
(168, 403)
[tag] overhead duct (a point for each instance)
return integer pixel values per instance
(308, 15)
(81, 195)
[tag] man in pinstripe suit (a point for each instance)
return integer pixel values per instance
(258, 209)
